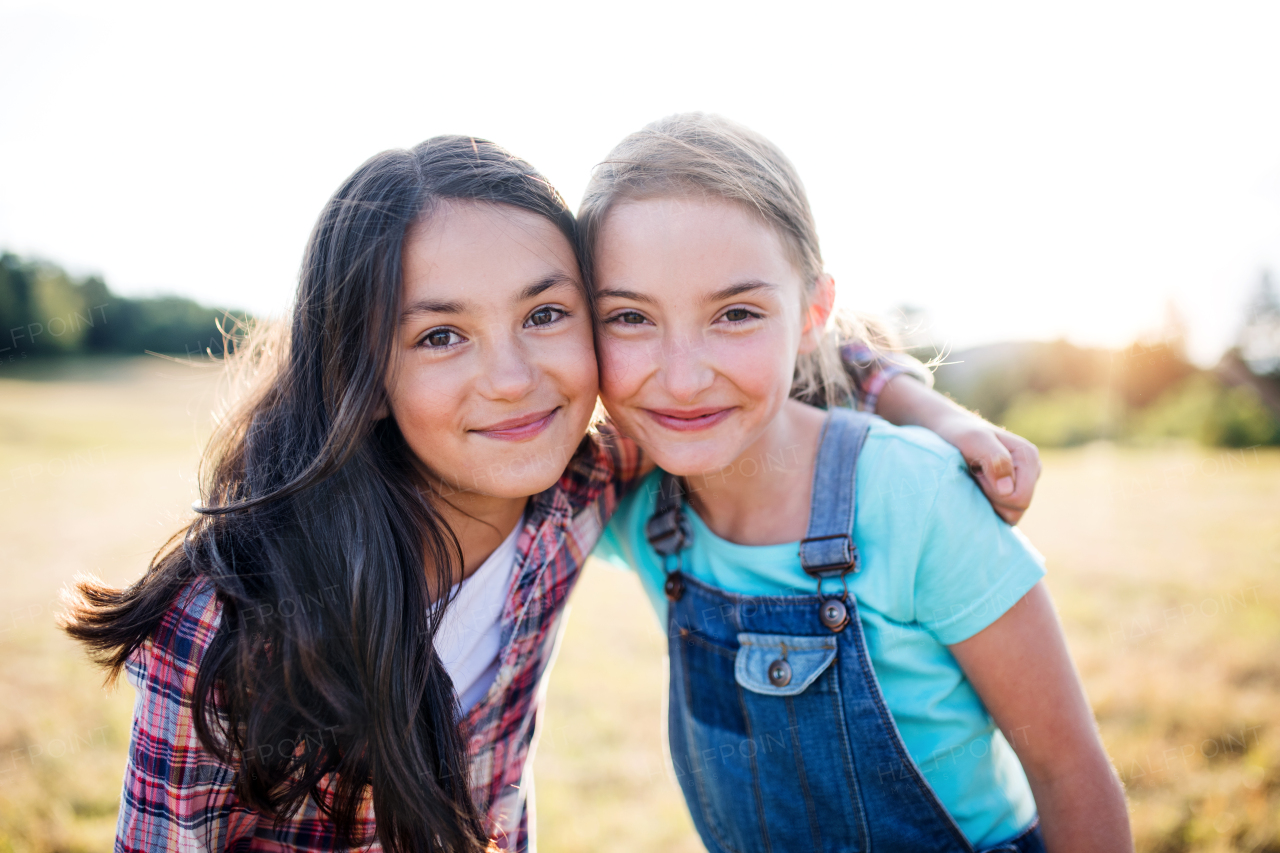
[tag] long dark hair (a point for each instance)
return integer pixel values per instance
(315, 531)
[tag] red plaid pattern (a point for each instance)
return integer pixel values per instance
(177, 796)
(871, 370)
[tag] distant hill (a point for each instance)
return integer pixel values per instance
(988, 378)
(1056, 393)
(46, 312)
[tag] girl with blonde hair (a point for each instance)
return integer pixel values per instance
(863, 655)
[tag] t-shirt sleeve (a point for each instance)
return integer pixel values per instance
(972, 566)
(610, 548)
(625, 546)
(617, 544)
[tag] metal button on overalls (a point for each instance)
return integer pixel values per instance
(779, 673)
(833, 614)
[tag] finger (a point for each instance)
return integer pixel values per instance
(1026, 461)
(1000, 468)
(993, 467)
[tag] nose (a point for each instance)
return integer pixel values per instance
(685, 371)
(507, 371)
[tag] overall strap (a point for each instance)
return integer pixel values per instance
(667, 529)
(827, 549)
(669, 532)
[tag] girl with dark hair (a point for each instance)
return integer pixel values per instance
(306, 653)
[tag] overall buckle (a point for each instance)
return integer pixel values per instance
(826, 557)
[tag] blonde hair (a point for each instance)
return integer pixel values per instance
(692, 153)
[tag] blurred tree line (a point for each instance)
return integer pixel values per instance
(1058, 394)
(44, 311)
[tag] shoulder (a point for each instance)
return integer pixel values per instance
(962, 564)
(911, 444)
(177, 794)
(910, 468)
(634, 509)
(604, 463)
(624, 543)
(173, 653)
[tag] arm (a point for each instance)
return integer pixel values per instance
(1022, 670)
(1006, 466)
(172, 799)
(176, 795)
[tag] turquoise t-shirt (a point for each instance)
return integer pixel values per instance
(938, 566)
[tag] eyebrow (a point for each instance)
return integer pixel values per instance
(738, 289)
(635, 296)
(449, 306)
(430, 306)
(555, 279)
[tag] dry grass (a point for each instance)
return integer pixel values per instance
(1164, 565)
(97, 468)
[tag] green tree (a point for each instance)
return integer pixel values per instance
(44, 311)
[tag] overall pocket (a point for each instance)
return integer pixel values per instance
(768, 755)
(773, 665)
(793, 702)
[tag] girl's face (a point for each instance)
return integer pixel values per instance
(702, 322)
(495, 377)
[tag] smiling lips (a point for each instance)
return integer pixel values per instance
(521, 428)
(689, 420)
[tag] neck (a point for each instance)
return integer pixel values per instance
(762, 497)
(480, 522)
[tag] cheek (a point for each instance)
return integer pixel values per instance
(424, 406)
(761, 365)
(571, 362)
(626, 364)
(582, 377)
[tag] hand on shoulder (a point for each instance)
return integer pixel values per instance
(1006, 466)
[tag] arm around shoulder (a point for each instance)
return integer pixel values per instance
(1005, 465)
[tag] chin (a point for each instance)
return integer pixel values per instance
(693, 457)
(691, 464)
(522, 474)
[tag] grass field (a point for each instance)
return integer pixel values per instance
(1165, 565)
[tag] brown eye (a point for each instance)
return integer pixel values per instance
(437, 338)
(737, 315)
(543, 316)
(631, 318)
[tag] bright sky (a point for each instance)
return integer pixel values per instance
(1019, 170)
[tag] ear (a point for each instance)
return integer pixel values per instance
(821, 304)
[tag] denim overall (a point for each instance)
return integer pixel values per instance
(780, 736)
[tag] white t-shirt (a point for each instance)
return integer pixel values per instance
(470, 636)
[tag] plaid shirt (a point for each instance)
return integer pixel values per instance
(177, 796)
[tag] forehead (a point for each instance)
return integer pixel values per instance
(481, 248)
(691, 236)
